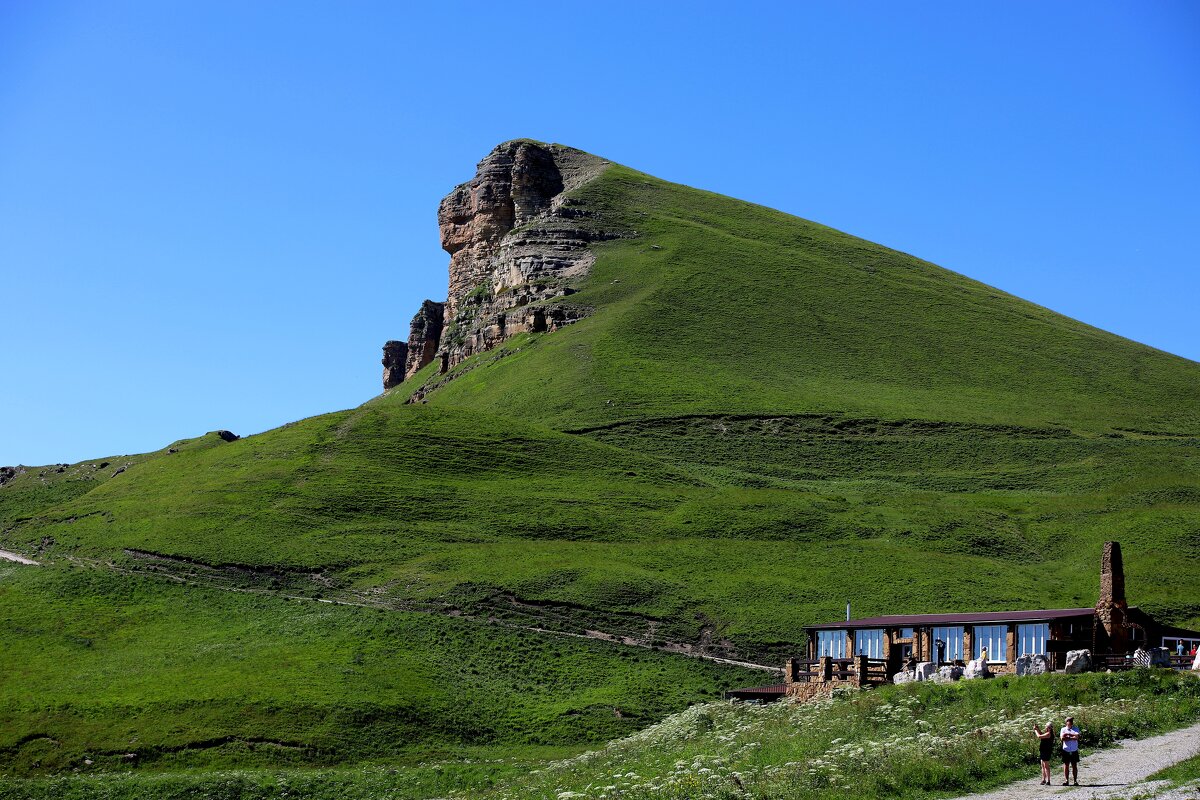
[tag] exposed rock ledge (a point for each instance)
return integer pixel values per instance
(517, 244)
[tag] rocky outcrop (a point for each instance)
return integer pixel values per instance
(518, 246)
(395, 356)
(424, 335)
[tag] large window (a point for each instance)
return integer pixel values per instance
(869, 643)
(953, 643)
(831, 643)
(995, 639)
(1032, 639)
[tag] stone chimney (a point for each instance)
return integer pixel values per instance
(1112, 576)
(1111, 608)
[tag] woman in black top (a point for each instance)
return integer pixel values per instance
(1045, 750)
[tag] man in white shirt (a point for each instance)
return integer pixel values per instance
(1069, 736)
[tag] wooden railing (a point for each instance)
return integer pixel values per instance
(859, 670)
(1117, 663)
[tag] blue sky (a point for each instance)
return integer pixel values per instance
(213, 214)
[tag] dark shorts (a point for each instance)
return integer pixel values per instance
(1070, 758)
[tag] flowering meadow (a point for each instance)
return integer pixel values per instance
(919, 740)
(916, 740)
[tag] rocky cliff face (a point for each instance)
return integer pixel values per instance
(517, 245)
(394, 355)
(424, 334)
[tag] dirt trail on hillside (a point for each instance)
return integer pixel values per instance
(7, 556)
(1110, 773)
(393, 605)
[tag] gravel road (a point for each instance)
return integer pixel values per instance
(7, 556)
(1112, 773)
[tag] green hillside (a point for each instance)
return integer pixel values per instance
(762, 419)
(718, 305)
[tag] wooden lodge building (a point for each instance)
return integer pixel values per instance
(869, 651)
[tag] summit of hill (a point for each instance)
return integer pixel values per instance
(678, 301)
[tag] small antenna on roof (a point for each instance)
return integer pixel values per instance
(847, 611)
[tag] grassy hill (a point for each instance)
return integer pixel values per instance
(762, 419)
(718, 306)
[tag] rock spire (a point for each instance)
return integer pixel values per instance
(518, 243)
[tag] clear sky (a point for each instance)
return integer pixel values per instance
(213, 214)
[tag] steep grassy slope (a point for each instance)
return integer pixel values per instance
(718, 305)
(762, 419)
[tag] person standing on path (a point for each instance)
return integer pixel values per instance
(1070, 751)
(1045, 750)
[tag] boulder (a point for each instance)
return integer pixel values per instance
(1078, 661)
(925, 670)
(904, 676)
(1033, 665)
(948, 674)
(1160, 657)
(977, 668)
(1196, 662)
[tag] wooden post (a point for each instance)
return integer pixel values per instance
(860, 668)
(826, 669)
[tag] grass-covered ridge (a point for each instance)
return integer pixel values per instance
(718, 305)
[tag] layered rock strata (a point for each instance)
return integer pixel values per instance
(518, 244)
(424, 334)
